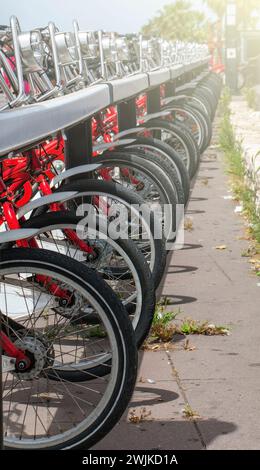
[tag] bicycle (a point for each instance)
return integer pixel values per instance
(47, 354)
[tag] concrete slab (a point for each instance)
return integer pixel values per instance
(154, 365)
(230, 400)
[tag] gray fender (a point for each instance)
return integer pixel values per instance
(78, 170)
(148, 117)
(56, 197)
(174, 99)
(110, 145)
(135, 130)
(20, 234)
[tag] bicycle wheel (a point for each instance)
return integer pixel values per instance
(204, 105)
(136, 171)
(209, 93)
(176, 137)
(42, 410)
(143, 227)
(166, 159)
(199, 99)
(118, 261)
(156, 151)
(205, 119)
(188, 117)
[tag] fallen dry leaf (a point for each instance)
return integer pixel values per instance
(238, 209)
(137, 417)
(141, 380)
(188, 224)
(228, 198)
(221, 247)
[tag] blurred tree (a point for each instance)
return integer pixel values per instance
(178, 21)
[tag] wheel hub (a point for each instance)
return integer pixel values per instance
(40, 354)
(69, 307)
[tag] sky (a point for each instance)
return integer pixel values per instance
(116, 15)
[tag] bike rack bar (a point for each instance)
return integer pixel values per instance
(153, 100)
(78, 144)
(30, 124)
(170, 88)
(124, 92)
(127, 115)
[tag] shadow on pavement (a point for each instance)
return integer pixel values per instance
(194, 211)
(179, 299)
(176, 269)
(171, 435)
(159, 395)
(191, 246)
(197, 199)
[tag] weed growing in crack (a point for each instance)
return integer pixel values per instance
(193, 327)
(189, 413)
(138, 417)
(166, 325)
(163, 327)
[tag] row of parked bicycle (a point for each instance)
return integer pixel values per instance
(83, 249)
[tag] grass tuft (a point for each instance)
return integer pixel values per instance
(193, 327)
(163, 328)
(242, 180)
(250, 96)
(166, 324)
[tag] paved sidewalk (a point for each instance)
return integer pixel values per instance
(220, 379)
